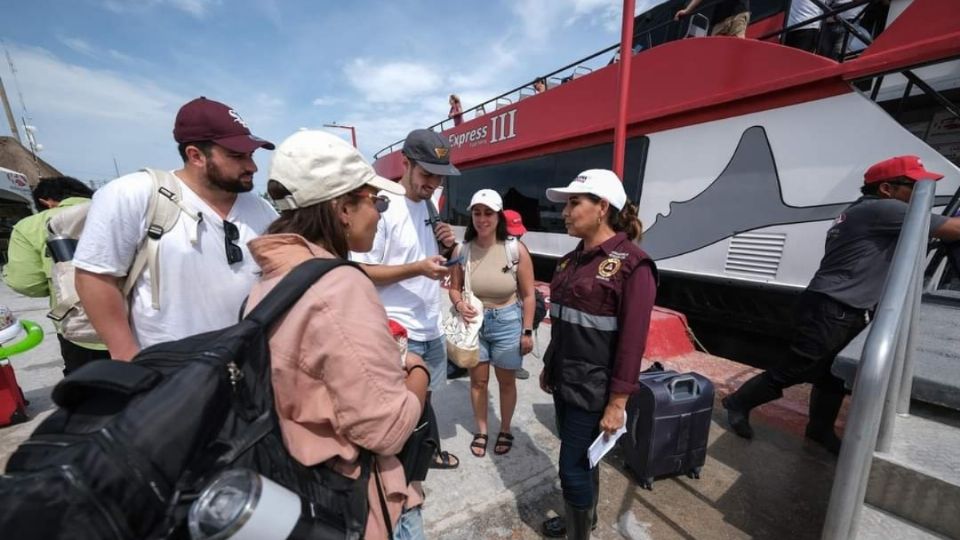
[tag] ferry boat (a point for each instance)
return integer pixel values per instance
(740, 152)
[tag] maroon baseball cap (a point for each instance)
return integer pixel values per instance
(899, 167)
(514, 223)
(207, 120)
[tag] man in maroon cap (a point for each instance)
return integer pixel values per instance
(837, 303)
(200, 270)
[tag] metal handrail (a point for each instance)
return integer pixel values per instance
(879, 364)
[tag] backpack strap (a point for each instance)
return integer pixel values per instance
(291, 288)
(67, 223)
(512, 245)
(163, 211)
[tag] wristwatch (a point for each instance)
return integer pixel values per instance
(528, 331)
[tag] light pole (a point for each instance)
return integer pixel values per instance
(353, 131)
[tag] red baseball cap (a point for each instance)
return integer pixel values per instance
(514, 223)
(898, 167)
(207, 120)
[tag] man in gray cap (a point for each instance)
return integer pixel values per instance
(408, 255)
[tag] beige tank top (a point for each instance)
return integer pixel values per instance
(494, 287)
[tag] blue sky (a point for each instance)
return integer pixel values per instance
(103, 79)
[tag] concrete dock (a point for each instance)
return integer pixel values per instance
(775, 486)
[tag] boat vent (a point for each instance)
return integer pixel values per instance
(755, 254)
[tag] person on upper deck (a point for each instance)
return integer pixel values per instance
(602, 296)
(456, 110)
(806, 37)
(730, 17)
(837, 303)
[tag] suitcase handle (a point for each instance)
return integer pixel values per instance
(684, 381)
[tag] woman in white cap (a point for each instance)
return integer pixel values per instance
(601, 297)
(508, 304)
(337, 382)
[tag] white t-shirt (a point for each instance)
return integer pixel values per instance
(403, 237)
(801, 10)
(199, 291)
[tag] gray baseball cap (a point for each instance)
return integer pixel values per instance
(429, 150)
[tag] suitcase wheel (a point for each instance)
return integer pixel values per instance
(694, 473)
(647, 483)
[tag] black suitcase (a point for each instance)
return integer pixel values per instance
(668, 423)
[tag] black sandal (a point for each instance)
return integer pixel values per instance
(504, 440)
(445, 460)
(477, 437)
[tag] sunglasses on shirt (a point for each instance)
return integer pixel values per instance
(230, 236)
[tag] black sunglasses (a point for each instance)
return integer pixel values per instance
(903, 183)
(230, 236)
(380, 202)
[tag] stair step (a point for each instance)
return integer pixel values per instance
(876, 524)
(936, 372)
(919, 479)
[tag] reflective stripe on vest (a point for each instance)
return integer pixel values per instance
(603, 323)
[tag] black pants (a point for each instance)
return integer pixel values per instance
(823, 327)
(75, 356)
(807, 39)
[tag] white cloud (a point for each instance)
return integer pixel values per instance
(78, 45)
(326, 101)
(393, 81)
(196, 8)
(86, 116)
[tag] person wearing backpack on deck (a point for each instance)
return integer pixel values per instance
(203, 268)
(29, 265)
(506, 333)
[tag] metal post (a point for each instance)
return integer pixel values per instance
(885, 434)
(10, 118)
(873, 376)
(623, 95)
(906, 381)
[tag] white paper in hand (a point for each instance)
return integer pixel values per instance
(604, 443)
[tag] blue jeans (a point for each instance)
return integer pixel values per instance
(410, 526)
(578, 429)
(500, 337)
(434, 354)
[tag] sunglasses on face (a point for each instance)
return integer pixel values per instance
(904, 184)
(230, 236)
(380, 202)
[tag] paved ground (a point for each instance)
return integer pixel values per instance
(775, 486)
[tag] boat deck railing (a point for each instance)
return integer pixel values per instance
(696, 26)
(885, 374)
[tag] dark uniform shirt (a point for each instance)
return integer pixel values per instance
(859, 250)
(600, 306)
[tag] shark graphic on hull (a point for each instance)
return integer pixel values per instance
(744, 197)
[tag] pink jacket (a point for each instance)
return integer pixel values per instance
(337, 375)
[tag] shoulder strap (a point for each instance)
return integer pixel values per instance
(512, 245)
(291, 288)
(68, 222)
(163, 212)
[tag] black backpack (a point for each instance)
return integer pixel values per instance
(132, 442)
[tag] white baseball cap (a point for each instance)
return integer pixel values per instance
(487, 197)
(317, 166)
(600, 182)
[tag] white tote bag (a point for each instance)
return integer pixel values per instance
(463, 338)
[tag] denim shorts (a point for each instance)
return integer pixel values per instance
(434, 354)
(500, 337)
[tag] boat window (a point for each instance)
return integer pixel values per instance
(523, 183)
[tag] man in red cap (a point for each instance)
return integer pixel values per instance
(199, 270)
(837, 303)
